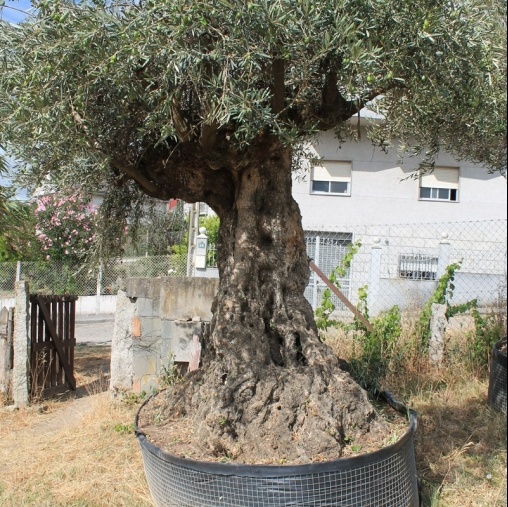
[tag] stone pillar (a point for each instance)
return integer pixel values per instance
(443, 260)
(438, 323)
(21, 345)
(6, 317)
(122, 343)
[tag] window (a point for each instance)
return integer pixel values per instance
(418, 266)
(331, 177)
(440, 185)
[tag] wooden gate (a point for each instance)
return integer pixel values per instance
(52, 344)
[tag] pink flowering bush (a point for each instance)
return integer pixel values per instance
(65, 226)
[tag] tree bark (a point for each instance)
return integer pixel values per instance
(268, 389)
(261, 316)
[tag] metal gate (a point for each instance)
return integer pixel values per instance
(327, 250)
(52, 344)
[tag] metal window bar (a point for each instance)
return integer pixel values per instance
(211, 256)
(418, 266)
(327, 250)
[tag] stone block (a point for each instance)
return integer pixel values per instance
(177, 340)
(151, 329)
(145, 363)
(186, 297)
(147, 307)
(148, 288)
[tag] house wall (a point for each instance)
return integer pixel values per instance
(382, 191)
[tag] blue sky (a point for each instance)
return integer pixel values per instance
(14, 10)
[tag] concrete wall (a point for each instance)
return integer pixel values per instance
(85, 305)
(155, 321)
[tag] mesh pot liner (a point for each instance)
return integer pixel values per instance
(497, 379)
(385, 478)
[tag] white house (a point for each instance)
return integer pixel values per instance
(357, 183)
(410, 227)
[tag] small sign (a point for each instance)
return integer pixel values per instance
(200, 261)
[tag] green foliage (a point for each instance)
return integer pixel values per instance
(123, 428)
(327, 307)
(59, 277)
(7, 253)
(133, 399)
(128, 95)
(489, 329)
(376, 350)
(441, 295)
(157, 232)
(17, 226)
(170, 374)
(211, 224)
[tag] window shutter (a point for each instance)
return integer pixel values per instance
(441, 177)
(332, 171)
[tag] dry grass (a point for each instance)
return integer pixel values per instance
(460, 442)
(79, 451)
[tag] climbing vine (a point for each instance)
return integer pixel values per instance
(327, 307)
(442, 294)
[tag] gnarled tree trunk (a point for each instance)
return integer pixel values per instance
(269, 390)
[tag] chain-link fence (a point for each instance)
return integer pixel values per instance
(59, 277)
(401, 264)
(396, 264)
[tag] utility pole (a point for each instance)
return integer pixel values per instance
(193, 232)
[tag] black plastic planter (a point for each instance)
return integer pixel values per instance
(385, 478)
(497, 379)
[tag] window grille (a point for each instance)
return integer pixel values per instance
(327, 250)
(418, 266)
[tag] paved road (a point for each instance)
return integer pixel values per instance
(97, 330)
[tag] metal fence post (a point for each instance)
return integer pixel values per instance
(18, 271)
(374, 277)
(99, 291)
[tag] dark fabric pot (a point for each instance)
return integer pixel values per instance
(385, 478)
(497, 378)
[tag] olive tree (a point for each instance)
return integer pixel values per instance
(212, 101)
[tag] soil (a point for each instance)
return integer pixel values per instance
(176, 436)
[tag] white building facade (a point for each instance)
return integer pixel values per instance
(410, 228)
(369, 186)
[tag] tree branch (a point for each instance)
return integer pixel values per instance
(128, 169)
(208, 135)
(131, 171)
(278, 85)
